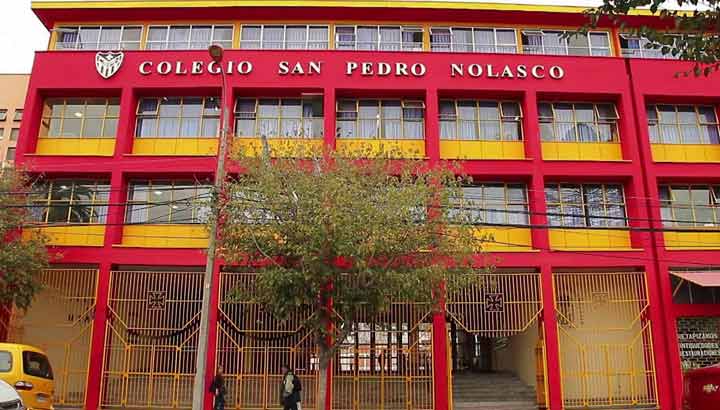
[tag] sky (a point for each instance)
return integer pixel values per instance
(21, 33)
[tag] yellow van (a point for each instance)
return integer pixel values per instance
(28, 370)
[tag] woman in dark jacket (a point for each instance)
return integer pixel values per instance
(290, 388)
(217, 388)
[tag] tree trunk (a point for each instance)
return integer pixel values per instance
(322, 377)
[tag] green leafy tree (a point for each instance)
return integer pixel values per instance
(22, 258)
(336, 235)
(691, 32)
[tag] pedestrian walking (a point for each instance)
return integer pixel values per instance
(290, 388)
(217, 388)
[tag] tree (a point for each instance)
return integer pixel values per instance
(337, 234)
(22, 257)
(691, 34)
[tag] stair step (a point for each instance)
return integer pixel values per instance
(492, 391)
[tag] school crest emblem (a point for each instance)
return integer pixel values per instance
(108, 63)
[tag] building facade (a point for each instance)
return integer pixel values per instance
(596, 174)
(12, 98)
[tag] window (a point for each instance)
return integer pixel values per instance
(279, 117)
(594, 43)
(99, 38)
(80, 117)
(480, 120)
(14, 132)
(64, 201)
(10, 154)
(3, 114)
(578, 122)
(690, 205)
(18, 115)
(500, 204)
(683, 124)
(37, 364)
(168, 202)
(634, 46)
(178, 117)
(480, 40)
(380, 119)
(290, 37)
(591, 205)
(189, 37)
(6, 361)
(384, 38)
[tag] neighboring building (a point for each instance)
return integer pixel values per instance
(12, 97)
(597, 175)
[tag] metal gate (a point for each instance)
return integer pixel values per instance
(605, 340)
(151, 339)
(253, 345)
(387, 362)
(60, 321)
(498, 304)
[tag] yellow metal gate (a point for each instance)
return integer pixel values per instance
(151, 339)
(498, 304)
(387, 362)
(60, 321)
(253, 345)
(605, 340)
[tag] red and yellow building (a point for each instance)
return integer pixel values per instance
(597, 175)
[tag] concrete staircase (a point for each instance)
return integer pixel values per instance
(492, 391)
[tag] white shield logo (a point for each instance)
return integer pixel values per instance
(108, 63)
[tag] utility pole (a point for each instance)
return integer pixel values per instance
(199, 388)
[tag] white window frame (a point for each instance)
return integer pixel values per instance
(78, 30)
(452, 45)
(564, 42)
(403, 46)
(285, 27)
(166, 42)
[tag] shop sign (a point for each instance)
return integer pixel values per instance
(699, 341)
(109, 63)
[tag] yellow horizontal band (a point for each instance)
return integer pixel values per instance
(415, 4)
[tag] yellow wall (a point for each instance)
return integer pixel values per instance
(692, 240)
(685, 153)
(519, 356)
(589, 239)
(175, 146)
(587, 151)
(399, 148)
(74, 235)
(279, 147)
(452, 149)
(520, 236)
(76, 146)
(165, 236)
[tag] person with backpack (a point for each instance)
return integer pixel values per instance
(290, 388)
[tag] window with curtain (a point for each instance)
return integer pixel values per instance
(578, 122)
(18, 115)
(168, 202)
(641, 47)
(480, 120)
(80, 118)
(683, 124)
(70, 201)
(10, 154)
(14, 134)
(380, 119)
(98, 37)
(690, 205)
(279, 117)
(384, 38)
(189, 37)
(594, 43)
(3, 114)
(284, 37)
(586, 205)
(478, 39)
(178, 117)
(491, 203)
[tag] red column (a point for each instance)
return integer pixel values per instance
(126, 128)
(440, 363)
(212, 333)
(97, 344)
(432, 125)
(329, 115)
(552, 346)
